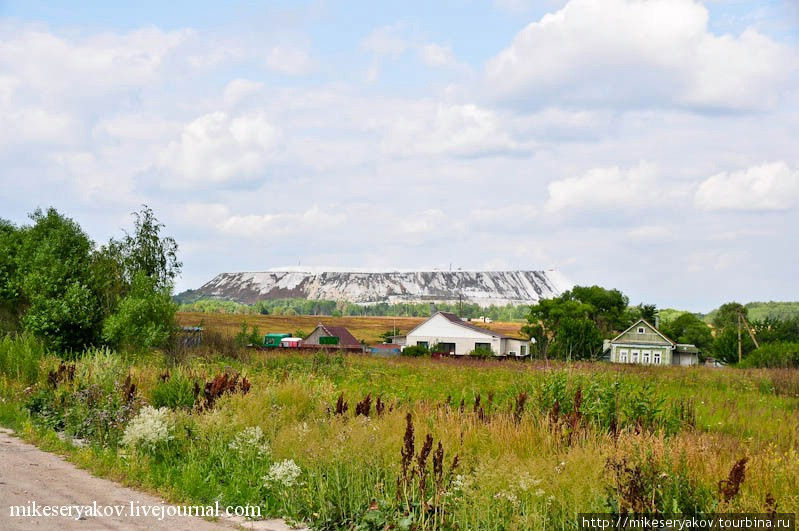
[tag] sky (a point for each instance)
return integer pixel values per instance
(644, 145)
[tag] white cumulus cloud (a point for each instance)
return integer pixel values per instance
(612, 187)
(771, 186)
(637, 53)
(217, 147)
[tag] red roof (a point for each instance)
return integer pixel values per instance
(345, 338)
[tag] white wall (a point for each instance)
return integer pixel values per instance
(439, 329)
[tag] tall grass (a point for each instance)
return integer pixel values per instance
(522, 446)
(21, 357)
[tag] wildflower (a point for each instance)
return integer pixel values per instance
(509, 496)
(285, 473)
(148, 429)
(526, 482)
(250, 439)
(539, 492)
(302, 430)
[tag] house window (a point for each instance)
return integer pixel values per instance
(424, 344)
(641, 330)
(634, 356)
(482, 346)
(524, 350)
(656, 357)
(623, 356)
(645, 356)
(446, 347)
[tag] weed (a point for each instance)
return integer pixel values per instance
(729, 487)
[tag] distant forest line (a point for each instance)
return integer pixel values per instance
(756, 311)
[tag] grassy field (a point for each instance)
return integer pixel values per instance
(354, 442)
(367, 329)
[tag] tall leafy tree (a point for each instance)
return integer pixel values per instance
(727, 315)
(146, 251)
(56, 300)
(688, 328)
(10, 238)
(572, 325)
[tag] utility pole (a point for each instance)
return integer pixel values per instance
(742, 321)
(739, 337)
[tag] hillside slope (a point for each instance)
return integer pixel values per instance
(481, 287)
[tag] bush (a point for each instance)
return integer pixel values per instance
(415, 351)
(773, 355)
(145, 318)
(174, 391)
(482, 353)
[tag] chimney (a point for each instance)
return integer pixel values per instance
(657, 321)
(433, 309)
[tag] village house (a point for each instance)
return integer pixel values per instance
(644, 344)
(449, 333)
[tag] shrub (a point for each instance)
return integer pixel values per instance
(145, 317)
(415, 351)
(773, 355)
(175, 391)
(482, 353)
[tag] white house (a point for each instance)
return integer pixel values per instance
(644, 344)
(458, 337)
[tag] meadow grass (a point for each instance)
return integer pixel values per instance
(366, 329)
(522, 445)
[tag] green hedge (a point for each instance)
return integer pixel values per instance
(773, 355)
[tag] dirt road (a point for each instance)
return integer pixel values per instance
(29, 475)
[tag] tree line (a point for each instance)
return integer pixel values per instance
(60, 287)
(509, 312)
(574, 326)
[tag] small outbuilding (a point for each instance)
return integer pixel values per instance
(332, 336)
(449, 333)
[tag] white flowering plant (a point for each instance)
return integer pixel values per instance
(285, 473)
(250, 441)
(149, 429)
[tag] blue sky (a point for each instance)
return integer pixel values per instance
(647, 145)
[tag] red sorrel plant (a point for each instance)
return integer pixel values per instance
(222, 384)
(364, 407)
(728, 488)
(518, 411)
(416, 480)
(341, 406)
(64, 373)
(380, 407)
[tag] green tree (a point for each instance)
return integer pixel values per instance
(648, 312)
(145, 317)
(10, 239)
(727, 315)
(147, 251)
(688, 328)
(725, 345)
(55, 298)
(572, 325)
(609, 306)
(577, 338)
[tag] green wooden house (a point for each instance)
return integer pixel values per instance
(644, 344)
